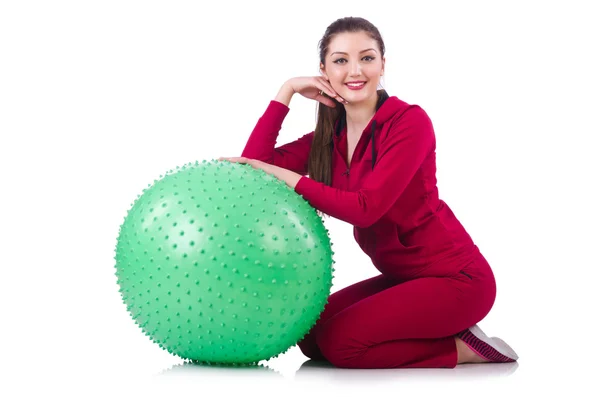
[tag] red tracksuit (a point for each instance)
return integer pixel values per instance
(434, 282)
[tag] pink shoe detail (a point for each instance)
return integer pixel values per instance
(491, 349)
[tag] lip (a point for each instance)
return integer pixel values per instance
(356, 82)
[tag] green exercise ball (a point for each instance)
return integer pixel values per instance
(220, 263)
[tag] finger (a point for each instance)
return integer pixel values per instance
(232, 159)
(326, 88)
(326, 101)
(329, 102)
(325, 98)
(337, 96)
(331, 92)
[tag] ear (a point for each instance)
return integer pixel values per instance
(322, 71)
(382, 66)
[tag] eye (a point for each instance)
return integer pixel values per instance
(368, 57)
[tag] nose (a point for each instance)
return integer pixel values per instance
(355, 68)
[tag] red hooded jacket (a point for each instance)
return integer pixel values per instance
(389, 192)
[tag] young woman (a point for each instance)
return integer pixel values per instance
(371, 162)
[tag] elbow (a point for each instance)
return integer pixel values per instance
(365, 219)
(367, 215)
(361, 224)
(364, 222)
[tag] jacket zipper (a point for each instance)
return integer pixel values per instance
(347, 172)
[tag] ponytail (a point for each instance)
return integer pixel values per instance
(319, 163)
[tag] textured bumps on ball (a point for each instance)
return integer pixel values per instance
(223, 264)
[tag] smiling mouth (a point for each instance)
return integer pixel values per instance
(356, 85)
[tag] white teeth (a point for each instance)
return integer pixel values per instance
(355, 85)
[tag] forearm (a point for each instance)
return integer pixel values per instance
(285, 94)
(289, 177)
(263, 138)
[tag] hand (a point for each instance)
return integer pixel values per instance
(289, 177)
(317, 88)
(256, 164)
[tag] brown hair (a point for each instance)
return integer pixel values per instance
(319, 163)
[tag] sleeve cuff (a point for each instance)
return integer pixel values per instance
(278, 106)
(305, 187)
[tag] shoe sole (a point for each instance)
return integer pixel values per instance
(493, 349)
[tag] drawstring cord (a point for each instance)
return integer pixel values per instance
(373, 145)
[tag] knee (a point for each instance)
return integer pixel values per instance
(339, 348)
(308, 346)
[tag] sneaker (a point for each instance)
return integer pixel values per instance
(491, 349)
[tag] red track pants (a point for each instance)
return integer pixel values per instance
(384, 323)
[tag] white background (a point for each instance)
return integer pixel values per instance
(99, 98)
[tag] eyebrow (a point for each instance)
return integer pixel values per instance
(339, 52)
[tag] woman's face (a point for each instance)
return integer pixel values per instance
(353, 57)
